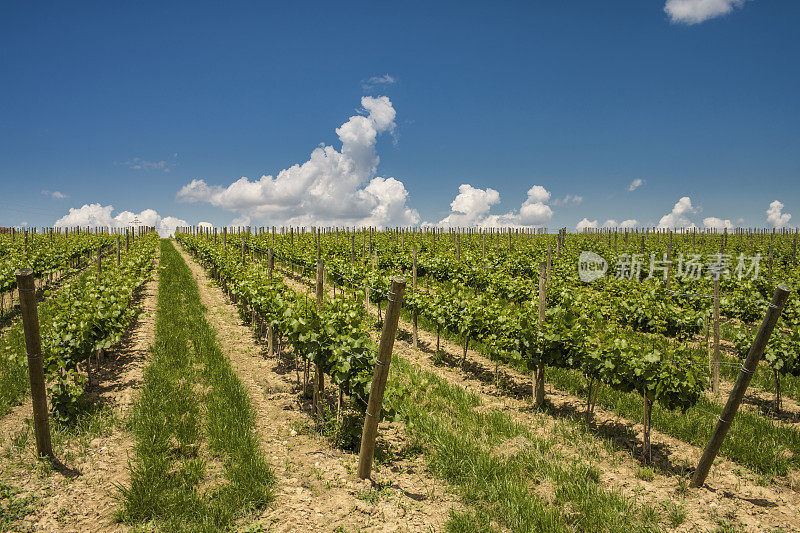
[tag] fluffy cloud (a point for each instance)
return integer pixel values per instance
(635, 184)
(471, 208)
(205, 225)
(717, 223)
(332, 187)
(776, 217)
(96, 215)
(678, 217)
(697, 11)
(55, 195)
(610, 223)
(533, 211)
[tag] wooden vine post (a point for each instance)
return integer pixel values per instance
(319, 377)
(538, 374)
(715, 366)
(415, 333)
(558, 244)
(33, 345)
(669, 260)
(748, 369)
(270, 330)
(99, 264)
(378, 387)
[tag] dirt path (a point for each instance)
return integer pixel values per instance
(730, 494)
(79, 494)
(317, 489)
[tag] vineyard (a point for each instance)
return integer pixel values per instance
(539, 381)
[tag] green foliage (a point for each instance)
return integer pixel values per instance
(80, 318)
(334, 337)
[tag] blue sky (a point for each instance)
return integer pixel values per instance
(126, 105)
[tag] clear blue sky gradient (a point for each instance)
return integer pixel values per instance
(578, 96)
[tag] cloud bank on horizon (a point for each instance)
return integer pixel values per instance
(472, 205)
(96, 215)
(340, 187)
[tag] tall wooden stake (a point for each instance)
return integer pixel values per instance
(375, 402)
(33, 345)
(415, 333)
(538, 375)
(319, 376)
(742, 382)
(715, 368)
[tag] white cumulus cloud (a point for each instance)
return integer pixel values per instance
(472, 205)
(96, 215)
(678, 217)
(697, 11)
(775, 215)
(205, 225)
(717, 223)
(332, 187)
(610, 223)
(585, 224)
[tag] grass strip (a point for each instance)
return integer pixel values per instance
(198, 464)
(535, 488)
